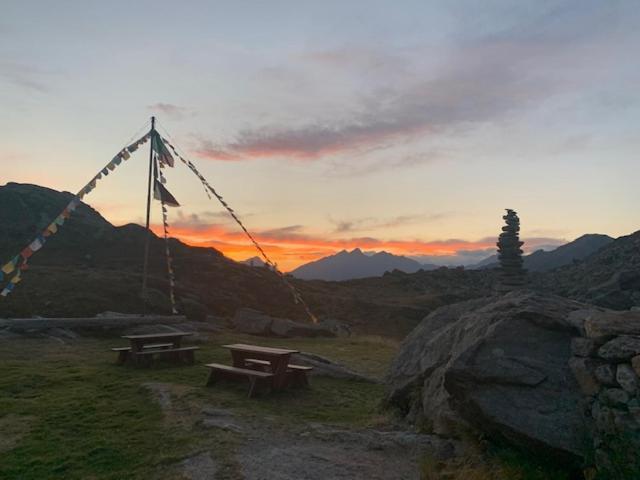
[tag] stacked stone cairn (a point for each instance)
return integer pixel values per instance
(510, 254)
(606, 364)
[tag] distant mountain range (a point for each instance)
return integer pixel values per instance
(346, 265)
(542, 261)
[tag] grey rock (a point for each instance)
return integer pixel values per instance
(583, 347)
(499, 364)
(635, 363)
(253, 322)
(222, 423)
(324, 367)
(606, 374)
(199, 467)
(583, 371)
(614, 397)
(607, 323)
(620, 348)
(627, 378)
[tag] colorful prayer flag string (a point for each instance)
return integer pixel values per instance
(13, 268)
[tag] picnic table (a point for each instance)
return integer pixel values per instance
(143, 348)
(262, 366)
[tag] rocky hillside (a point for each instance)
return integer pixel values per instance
(545, 260)
(609, 277)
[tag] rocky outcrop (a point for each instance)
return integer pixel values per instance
(608, 375)
(253, 322)
(498, 364)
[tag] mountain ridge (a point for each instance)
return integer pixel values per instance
(345, 265)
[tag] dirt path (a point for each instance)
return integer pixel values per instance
(265, 449)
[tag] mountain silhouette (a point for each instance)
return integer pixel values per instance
(346, 265)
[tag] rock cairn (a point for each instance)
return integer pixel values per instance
(510, 253)
(606, 365)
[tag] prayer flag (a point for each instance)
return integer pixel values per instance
(53, 228)
(34, 246)
(125, 155)
(60, 220)
(160, 149)
(16, 279)
(5, 292)
(9, 267)
(162, 194)
(105, 171)
(27, 252)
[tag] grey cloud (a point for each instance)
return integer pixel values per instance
(372, 223)
(483, 80)
(25, 76)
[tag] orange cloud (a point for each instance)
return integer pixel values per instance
(289, 248)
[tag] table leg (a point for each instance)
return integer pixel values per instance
(238, 358)
(279, 368)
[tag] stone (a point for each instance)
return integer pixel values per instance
(324, 367)
(510, 253)
(608, 323)
(606, 374)
(447, 372)
(583, 347)
(635, 364)
(253, 322)
(582, 370)
(620, 348)
(614, 397)
(199, 467)
(627, 378)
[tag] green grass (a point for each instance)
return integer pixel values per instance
(69, 412)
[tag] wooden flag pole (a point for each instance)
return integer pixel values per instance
(148, 239)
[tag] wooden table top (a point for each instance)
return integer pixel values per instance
(158, 335)
(257, 349)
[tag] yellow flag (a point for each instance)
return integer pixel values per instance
(8, 267)
(53, 228)
(16, 278)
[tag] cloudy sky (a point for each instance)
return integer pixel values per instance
(400, 126)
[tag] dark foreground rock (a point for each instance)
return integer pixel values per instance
(499, 364)
(253, 322)
(324, 367)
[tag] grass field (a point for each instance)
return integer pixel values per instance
(67, 411)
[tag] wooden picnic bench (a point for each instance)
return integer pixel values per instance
(144, 349)
(257, 378)
(259, 365)
(297, 373)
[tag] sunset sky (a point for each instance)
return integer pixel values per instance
(327, 125)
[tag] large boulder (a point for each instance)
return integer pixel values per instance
(253, 322)
(499, 365)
